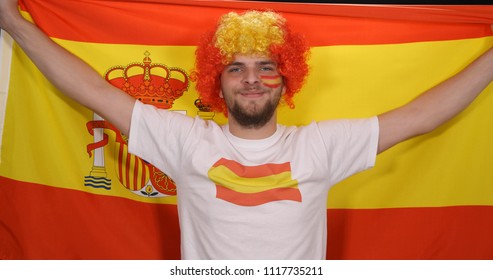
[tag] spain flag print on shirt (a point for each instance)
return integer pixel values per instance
(253, 185)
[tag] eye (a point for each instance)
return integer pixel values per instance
(234, 69)
(268, 68)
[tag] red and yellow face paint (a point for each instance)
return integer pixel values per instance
(274, 81)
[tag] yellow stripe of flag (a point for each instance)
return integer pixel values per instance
(223, 176)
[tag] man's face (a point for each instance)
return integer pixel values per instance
(251, 87)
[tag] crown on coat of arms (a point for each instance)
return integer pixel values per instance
(151, 83)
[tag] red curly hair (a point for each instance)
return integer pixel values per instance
(290, 52)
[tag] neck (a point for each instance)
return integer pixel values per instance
(253, 133)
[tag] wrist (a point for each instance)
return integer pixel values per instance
(9, 20)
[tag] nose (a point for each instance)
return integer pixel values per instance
(251, 77)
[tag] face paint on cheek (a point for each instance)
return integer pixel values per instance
(271, 81)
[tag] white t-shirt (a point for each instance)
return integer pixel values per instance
(252, 199)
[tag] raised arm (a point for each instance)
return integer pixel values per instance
(65, 71)
(437, 105)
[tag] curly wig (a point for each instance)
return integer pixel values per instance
(250, 33)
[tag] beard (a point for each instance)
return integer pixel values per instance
(254, 117)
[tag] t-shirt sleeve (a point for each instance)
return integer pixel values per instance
(351, 146)
(157, 135)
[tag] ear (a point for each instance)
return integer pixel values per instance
(221, 93)
(283, 90)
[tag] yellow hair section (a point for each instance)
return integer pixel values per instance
(250, 33)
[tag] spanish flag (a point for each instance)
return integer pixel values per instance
(253, 185)
(70, 190)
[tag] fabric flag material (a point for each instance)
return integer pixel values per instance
(70, 190)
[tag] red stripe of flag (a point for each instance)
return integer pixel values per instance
(169, 23)
(453, 232)
(254, 199)
(135, 173)
(127, 171)
(457, 232)
(120, 158)
(143, 173)
(80, 225)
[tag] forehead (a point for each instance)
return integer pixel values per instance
(251, 59)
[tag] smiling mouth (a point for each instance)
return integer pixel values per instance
(252, 91)
(252, 94)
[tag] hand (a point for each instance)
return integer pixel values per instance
(8, 12)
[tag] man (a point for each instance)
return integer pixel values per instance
(252, 189)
